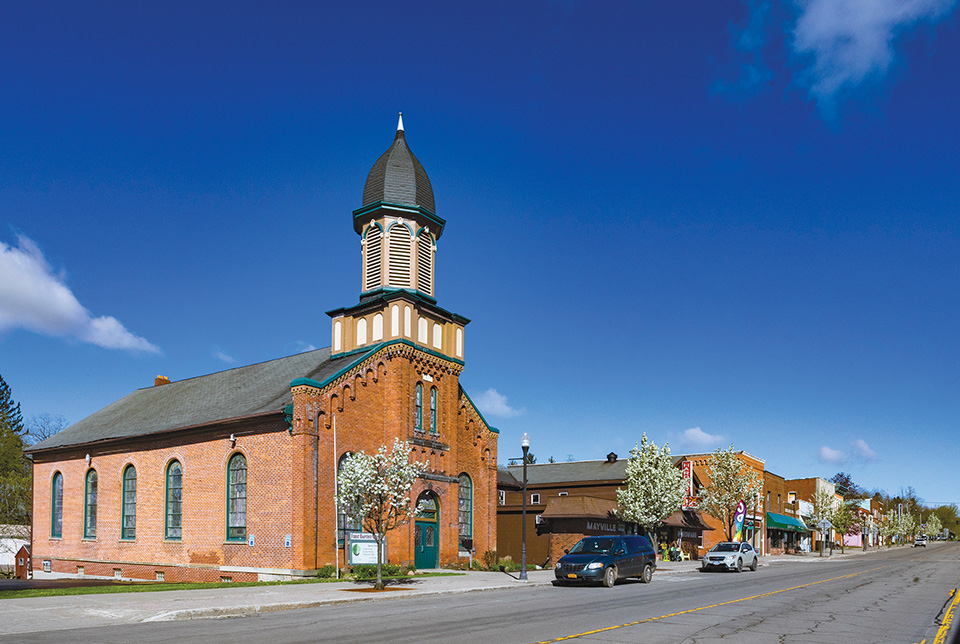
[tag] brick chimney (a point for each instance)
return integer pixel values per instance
(161, 380)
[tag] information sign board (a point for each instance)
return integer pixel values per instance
(362, 549)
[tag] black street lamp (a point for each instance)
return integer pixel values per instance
(525, 444)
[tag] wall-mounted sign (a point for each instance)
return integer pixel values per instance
(251, 539)
(362, 549)
(288, 541)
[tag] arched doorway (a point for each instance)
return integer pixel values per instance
(426, 540)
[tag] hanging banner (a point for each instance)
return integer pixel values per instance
(738, 520)
(690, 501)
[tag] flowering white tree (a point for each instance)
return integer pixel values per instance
(731, 481)
(654, 488)
(889, 526)
(934, 525)
(374, 490)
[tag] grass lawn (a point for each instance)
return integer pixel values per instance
(152, 587)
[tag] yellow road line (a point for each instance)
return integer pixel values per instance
(947, 619)
(732, 601)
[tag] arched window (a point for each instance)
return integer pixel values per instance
(90, 505)
(418, 409)
(466, 511)
(128, 512)
(345, 523)
(362, 331)
(56, 506)
(237, 498)
(395, 320)
(437, 336)
(173, 523)
(433, 411)
(378, 327)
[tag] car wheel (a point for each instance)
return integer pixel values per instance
(753, 566)
(610, 577)
(739, 565)
(647, 575)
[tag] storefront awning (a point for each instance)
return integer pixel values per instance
(783, 522)
(686, 519)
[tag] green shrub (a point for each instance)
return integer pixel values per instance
(490, 560)
(327, 572)
(369, 571)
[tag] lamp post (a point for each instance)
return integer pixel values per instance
(525, 444)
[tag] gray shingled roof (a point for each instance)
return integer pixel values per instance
(397, 177)
(550, 473)
(235, 393)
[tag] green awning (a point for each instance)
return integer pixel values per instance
(783, 522)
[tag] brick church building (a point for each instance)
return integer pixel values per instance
(232, 475)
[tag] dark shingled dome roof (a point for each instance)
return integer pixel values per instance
(397, 177)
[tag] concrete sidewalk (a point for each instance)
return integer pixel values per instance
(81, 611)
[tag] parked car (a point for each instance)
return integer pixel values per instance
(730, 555)
(607, 559)
(921, 541)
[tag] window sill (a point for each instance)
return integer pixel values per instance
(172, 539)
(92, 539)
(128, 540)
(56, 538)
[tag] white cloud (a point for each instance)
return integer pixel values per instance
(493, 403)
(863, 450)
(303, 347)
(32, 297)
(830, 455)
(696, 437)
(849, 43)
(220, 355)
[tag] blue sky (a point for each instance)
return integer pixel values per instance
(718, 222)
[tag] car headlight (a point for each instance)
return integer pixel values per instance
(594, 565)
(558, 565)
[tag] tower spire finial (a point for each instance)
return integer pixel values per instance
(400, 123)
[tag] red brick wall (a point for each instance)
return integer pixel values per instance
(203, 457)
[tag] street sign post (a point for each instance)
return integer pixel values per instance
(824, 525)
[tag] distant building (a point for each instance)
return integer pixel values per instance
(232, 475)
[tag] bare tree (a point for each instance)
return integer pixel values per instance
(40, 427)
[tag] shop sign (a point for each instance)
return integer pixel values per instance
(600, 526)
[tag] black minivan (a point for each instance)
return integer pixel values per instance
(606, 559)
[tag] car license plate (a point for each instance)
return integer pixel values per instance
(571, 575)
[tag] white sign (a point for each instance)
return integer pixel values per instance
(288, 541)
(251, 540)
(362, 549)
(825, 525)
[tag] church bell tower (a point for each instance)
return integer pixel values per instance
(399, 231)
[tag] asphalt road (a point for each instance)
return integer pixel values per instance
(895, 596)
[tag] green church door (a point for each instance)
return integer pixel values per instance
(426, 541)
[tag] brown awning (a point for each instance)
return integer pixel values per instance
(689, 519)
(573, 507)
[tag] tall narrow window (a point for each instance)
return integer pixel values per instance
(128, 518)
(398, 268)
(425, 263)
(173, 524)
(418, 409)
(466, 511)
(374, 244)
(237, 498)
(433, 410)
(90, 506)
(56, 518)
(345, 523)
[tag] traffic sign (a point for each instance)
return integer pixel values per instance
(825, 525)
